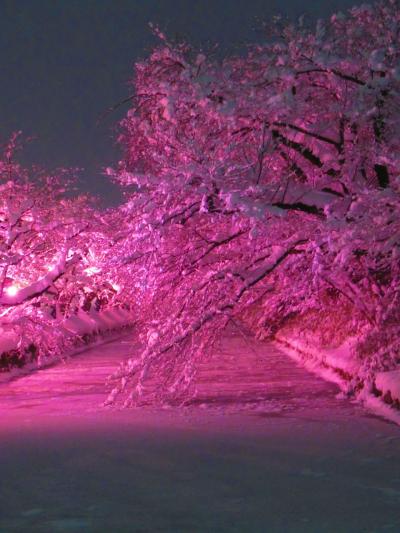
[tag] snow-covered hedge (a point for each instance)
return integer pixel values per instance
(343, 364)
(70, 333)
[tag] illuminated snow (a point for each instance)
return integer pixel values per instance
(266, 447)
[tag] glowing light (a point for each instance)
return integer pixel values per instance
(92, 270)
(12, 290)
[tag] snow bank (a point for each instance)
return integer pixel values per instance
(79, 325)
(388, 385)
(82, 325)
(340, 366)
(335, 364)
(94, 322)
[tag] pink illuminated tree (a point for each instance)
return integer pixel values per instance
(51, 253)
(259, 183)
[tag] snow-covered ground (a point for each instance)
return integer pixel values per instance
(266, 447)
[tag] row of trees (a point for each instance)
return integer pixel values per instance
(258, 188)
(263, 186)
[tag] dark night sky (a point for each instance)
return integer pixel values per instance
(64, 62)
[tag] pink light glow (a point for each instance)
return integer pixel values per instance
(92, 270)
(12, 290)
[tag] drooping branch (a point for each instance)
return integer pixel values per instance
(219, 243)
(298, 147)
(41, 285)
(300, 206)
(341, 75)
(315, 135)
(229, 304)
(290, 149)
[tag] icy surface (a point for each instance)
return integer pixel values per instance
(265, 446)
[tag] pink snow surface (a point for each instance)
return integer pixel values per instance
(243, 375)
(265, 446)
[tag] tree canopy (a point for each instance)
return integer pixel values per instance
(263, 186)
(258, 188)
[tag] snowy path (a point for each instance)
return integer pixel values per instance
(266, 447)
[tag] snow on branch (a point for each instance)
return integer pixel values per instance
(265, 186)
(41, 285)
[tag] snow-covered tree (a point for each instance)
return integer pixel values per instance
(262, 185)
(52, 246)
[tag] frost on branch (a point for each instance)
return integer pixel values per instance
(263, 188)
